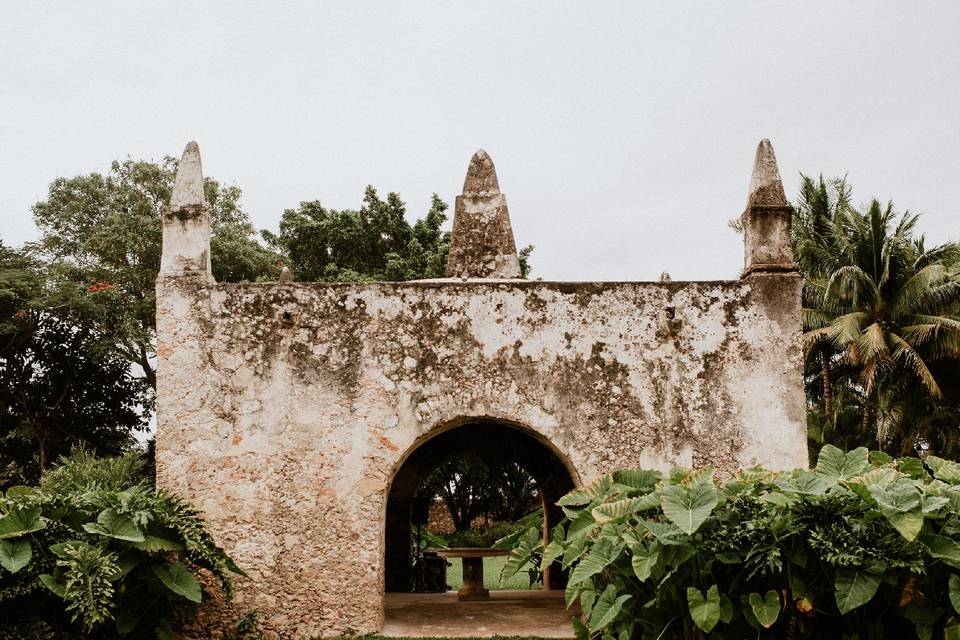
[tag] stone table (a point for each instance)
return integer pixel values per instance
(472, 558)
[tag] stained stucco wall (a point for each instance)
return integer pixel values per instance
(284, 409)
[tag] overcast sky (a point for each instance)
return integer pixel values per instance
(623, 132)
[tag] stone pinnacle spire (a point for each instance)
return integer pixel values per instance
(766, 188)
(766, 220)
(188, 185)
(186, 222)
(481, 177)
(482, 244)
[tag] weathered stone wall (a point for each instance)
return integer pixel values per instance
(284, 409)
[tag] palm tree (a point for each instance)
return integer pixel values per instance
(820, 204)
(877, 301)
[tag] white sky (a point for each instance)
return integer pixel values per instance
(623, 132)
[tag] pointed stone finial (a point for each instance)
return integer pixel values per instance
(188, 185)
(767, 218)
(665, 277)
(285, 274)
(766, 188)
(482, 244)
(186, 222)
(481, 177)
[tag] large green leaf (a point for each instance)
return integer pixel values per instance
(854, 588)
(521, 554)
(153, 544)
(705, 611)
(617, 510)
(945, 470)
(913, 467)
(555, 548)
(53, 584)
(837, 465)
(20, 491)
(688, 507)
(587, 494)
(900, 505)
(15, 554)
(765, 608)
(607, 608)
(943, 548)
(587, 598)
(114, 525)
(805, 483)
(601, 554)
(638, 479)
(178, 579)
(666, 533)
(954, 591)
(644, 558)
(21, 521)
(580, 631)
(726, 608)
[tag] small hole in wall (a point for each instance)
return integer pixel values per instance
(670, 312)
(287, 316)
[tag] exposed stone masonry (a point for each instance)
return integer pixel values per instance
(482, 244)
(286, 409)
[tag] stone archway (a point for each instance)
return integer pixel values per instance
(554, 478)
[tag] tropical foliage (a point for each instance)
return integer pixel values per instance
(100, 240)
(95, 552)
(374, 242)
(862, 546)
(882, 325)
(58, 385)
(488, 487)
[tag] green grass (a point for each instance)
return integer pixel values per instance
(491, 575)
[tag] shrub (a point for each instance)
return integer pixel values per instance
(499, 535)
(862, 546)
(93, 552)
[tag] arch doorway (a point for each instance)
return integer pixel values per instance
(488, 438)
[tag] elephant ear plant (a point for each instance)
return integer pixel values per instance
(862, 546)
(95, 552)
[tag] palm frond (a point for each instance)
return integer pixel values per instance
(846, 329)
(904, 351)
(815, 318)
(852, 284)
(873, 343)
(917, 289)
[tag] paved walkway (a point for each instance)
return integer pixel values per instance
(507, 613)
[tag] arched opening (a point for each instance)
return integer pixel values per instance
(486, 437)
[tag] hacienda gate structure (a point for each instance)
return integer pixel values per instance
(302, 417)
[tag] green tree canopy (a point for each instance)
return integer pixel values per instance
(881, 319)
(58, 387)
(374, 242)
(101, 240)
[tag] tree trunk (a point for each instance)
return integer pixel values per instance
(43, 457)
(867, 419)
(148, 372)
(827, 385)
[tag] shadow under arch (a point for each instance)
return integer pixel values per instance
(553, 473)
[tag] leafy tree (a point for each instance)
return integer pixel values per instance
(881, 316)
(474, 486)
(372, 243)
(57, 386)
(101, 239)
